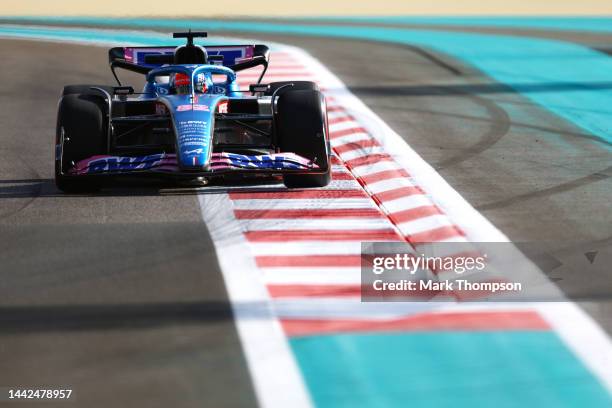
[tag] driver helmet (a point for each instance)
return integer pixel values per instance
(180, 83)
(202, 83)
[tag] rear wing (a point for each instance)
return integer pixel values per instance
(144, 59)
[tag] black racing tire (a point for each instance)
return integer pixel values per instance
(82, 119)
(86, 89)
(301, 126)
(297, 86)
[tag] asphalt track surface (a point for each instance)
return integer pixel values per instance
(120, 294)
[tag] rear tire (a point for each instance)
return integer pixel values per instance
(82, 119)
(301, 126)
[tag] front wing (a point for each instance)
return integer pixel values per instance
(220, 164)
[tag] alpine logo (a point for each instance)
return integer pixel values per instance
(194, 151)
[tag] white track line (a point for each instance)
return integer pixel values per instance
(312, 276)
(425, 224)
(307, 248)
(388, 185)
(406, 203)
(352, 138)
(276, 377)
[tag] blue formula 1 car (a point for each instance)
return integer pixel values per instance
(191, 122)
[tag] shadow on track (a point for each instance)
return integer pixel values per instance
(39, 188)
(47, 318)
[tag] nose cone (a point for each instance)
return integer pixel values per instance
(193, 124)
(193, 159)
(193, 119)
(193, 140)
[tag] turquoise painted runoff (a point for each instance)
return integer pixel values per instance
(592, 24)
(570, 80)
(446, 369)
(602, 24)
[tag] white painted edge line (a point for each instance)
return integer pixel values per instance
(585, 337)
(352, 138)
(274, 371)
(312, 276)
(406, 203)
(313, 247)
(367, 169)
(390, 184)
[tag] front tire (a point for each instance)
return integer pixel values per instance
(81, 124)
(301, 126)
(295, 86)
(85, 89)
